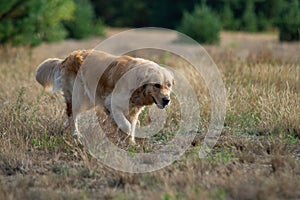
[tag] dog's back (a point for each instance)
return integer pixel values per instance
(60, 74)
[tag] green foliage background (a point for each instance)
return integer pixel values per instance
(84, 22)
(31, 22)
(202, 25)
(288, 21)
(234, 15)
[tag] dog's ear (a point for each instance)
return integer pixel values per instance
(172, 76)
(142, 76)
(150, 76)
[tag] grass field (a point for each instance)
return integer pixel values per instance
(256, 157)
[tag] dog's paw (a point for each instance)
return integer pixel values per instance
(132, 140)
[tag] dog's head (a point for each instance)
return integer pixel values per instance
(159, 86)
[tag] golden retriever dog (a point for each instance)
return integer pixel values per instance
(121, 84)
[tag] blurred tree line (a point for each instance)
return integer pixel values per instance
(249, 15)
(33, 21)
(235, 15)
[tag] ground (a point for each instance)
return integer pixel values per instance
(256, 157)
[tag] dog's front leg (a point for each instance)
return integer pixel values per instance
(123, 123)
(132, 132)
(117, 114)
(134, 119)
(121, 120)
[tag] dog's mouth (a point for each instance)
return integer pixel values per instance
(157, 104)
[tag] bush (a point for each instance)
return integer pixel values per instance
(249, 18)
(288, 22)
(263, 23)
(202, 25)
(227, 18)
(33, 21)
(129, 13)
(84, 23)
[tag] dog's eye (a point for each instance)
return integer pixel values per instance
(157, 85)
(169, 85)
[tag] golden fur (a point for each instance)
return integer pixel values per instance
(91, 78)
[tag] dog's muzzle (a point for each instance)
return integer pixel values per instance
(162, 104)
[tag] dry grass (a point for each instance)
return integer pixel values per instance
(257, 156)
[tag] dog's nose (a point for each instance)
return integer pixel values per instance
(166, 100)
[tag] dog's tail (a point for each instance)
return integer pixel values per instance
(49, 73)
